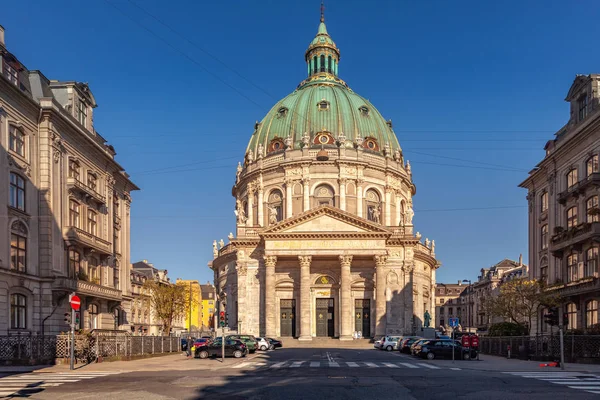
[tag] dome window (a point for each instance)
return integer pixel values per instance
(364, 111)
(371, 144)
(323, 138)
(276, 145)
(323, 105)
(282, 112)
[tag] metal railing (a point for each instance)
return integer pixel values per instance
(26, 348)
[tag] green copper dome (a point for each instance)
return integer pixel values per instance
(323, 111)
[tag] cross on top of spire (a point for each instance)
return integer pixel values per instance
(322, 12)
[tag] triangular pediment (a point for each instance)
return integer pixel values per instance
(326, 219)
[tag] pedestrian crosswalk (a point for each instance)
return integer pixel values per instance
(574, 380)
(311, 364)
(25, 385)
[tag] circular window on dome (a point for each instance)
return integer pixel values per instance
(323, 138)
(371, 144)
(276, 145)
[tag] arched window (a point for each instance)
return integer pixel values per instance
(572, 217)
(92, 222)
(74, 170)
(93, 312)
(17, 192)
(544, 270)
(16, 140)
(544, 237)
(591, 165)
(373, 205)
(18, 246)
(275, 207)
(322, 69)
(329, 65)
(571, 311)
(591, 262)
(18, 311)
(572, 178)
(324, 196)
(591, 313)
(544, 202)
(572, 272)
(74, 215)
(315, 65)
(592, 210)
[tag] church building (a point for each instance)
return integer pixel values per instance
(325, 244)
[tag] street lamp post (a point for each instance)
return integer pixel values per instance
(468, 303)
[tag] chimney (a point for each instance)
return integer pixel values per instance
(2, 36)
(520, 260)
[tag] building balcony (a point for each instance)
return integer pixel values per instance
(99, 291)
(593, 180)
(582, 286)
(77, 185)
(64, 284)
(76, 236)
(575, 236)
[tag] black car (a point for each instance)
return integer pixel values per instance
(432, 349)
(275, 343)
(233, 348)
(404, 345)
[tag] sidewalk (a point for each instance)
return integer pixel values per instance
(502, 364)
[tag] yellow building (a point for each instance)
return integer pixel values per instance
(193, 319)
(208, 305)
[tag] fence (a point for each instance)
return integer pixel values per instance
(97, 346)
(578, 348)
(27, 348)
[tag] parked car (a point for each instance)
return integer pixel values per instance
(233, 348)
(248, 340)
(264, 344)
(390, 343)
(275, 343)
(416, 343)
(441, 349)
(200, 342)
(378, 342)
(406, 342)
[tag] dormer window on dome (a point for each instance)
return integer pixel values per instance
(370, 143)
(276, 144)
(282, 112)
(364, 111)
(324, 138)
(323, 105)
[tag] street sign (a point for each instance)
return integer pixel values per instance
(453, 322)
(75, 302)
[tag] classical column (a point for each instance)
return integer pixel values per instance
(409, 323)
(288, 198)
(270, 262)
(343, 194)
(260, 206)
(388, 207)
(305, 297)
(359, 198)
(306, 194)
(380, 301)
(398, 210)
(241, 267)
(347, 311)
(250, 221)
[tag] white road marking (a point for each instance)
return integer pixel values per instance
(241, 365)
(455, 369)
(428, 366)
(25, 384)
(408, 365)
(278, 365)
(315, 364)
(296, 364)
(390, 365)
(333, 364)
(352, 364)
(372, 365)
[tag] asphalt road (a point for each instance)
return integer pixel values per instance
(317, 374)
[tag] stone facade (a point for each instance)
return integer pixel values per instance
(66, 205)
(563, 192)
(325, 242)
(447, 298)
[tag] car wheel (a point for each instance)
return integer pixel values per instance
(203, 354)
(389, 348)
(263, 347)
(237, 354)
(272, 347)
(466, 356)
(430, 356)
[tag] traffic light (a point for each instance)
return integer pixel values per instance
(68, 318)
(76, 319)
(222, 318)
(565, 320)
(551, 318)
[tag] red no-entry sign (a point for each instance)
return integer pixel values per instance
(75, 302)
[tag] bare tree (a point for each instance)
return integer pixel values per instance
(168, 302)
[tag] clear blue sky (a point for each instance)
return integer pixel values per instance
(467, 84)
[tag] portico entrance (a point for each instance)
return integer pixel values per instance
(325, 317)
(287, 317)
(362, 316)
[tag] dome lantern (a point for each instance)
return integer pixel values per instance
(322, 56)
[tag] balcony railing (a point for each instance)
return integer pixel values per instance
(588, 284)
(85, 189)
(580, 187)
(576, 235)
(95, 290)
(86, 239)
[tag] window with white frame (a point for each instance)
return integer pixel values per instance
(92, 223)
(591, 261)
(544, 236)
(572, 272)
(18, 311)
(75, 263)
(18, 247)
(74, 214)
(592, 210)
(571, 311)
(17, 192)
(591, 165)
(572, 217)
(10, 73)
(93, 313)
(544, 202)
(572, 178)
(16, 140)
(82, 113)
(591, 313)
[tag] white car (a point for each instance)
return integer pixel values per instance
(378, 343)
(263, 344)
(390, 343)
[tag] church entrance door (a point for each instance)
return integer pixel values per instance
(362, 316)
(287, 317)
(325, 317)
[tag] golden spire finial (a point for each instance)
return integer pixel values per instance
(322, 12)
